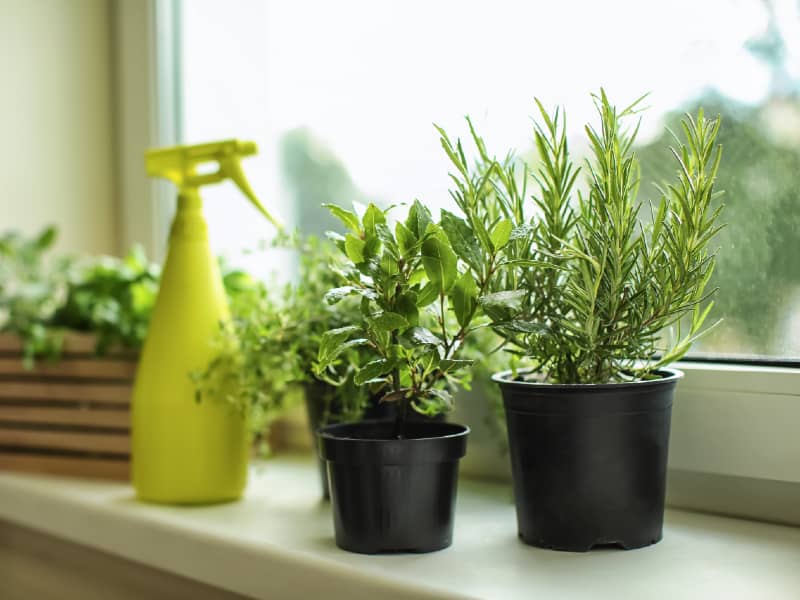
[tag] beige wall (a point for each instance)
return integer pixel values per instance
(56, 144)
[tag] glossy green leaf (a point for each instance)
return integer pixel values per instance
(388, 321)
(354, 248)
(372, 217)
(506, 299)
(440, 262)
(427, 295)
(347, 217)
(449, 365)
(373, 370)
(336, 294)
(419, 218)
(462, 239)
(406, 240)
(423, 336)
(501, 233)
(464, 297)
(406, 306)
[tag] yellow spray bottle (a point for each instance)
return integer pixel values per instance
(185, 452)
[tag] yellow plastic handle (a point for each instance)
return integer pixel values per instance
(179, 164)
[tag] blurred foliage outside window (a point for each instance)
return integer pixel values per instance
(758, 271)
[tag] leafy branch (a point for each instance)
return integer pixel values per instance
(589, 283)
(418, 283)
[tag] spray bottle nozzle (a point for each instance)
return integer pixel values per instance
(180, 165)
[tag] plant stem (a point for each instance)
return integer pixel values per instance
(402, 403)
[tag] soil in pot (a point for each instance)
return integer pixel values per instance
(393, 495)
(589, 462)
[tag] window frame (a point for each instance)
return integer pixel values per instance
(146, 58)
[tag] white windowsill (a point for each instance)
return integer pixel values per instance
(278, 543)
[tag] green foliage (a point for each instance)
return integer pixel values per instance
(417, 284)
(43, 297)
(265, 354)
(40, 300)
(110, 297)
(757, 274)
(587, 284)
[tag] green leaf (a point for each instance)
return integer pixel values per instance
(333, 343)
(483, 236)
(406, 240)
(354, 248)
(373, 217)
(372, 246)
(334, 337)
(347, 217)
(463, 239)
(506, 299)
(406, 306)
(336, 294)
(449, 365)
(424, 336)
(524, 262)
(519, 326)
(46, 238)
(434, 402)
(388, 265)
(501, 233)
(464, 296)
(419, 218)
(521, 232)
(440, 262)
(373, 370)
(388, 321)
(427, 295)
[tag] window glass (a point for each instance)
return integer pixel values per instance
(342, 96)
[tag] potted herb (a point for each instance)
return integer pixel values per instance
(604, 295)
(70, 328)
(43, 301)
(393, 483)
(267, 351)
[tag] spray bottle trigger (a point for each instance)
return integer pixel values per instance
(233, 169)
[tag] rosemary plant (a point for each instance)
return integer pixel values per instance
(597, 289)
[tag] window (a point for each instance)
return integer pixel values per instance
(341, 97)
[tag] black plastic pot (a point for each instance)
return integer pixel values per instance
(391, 495)
(315, 408)
(589, 462)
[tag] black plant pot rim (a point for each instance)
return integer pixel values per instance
(446, 442)
(331, 431)
(668, 374)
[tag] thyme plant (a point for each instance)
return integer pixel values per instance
(601, 287)
(267, 350)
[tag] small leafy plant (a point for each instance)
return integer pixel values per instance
(268, 349)
(419, 284)
(40, 300)
(42, 297)
(598, 278)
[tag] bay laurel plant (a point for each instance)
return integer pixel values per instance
(601, 285)
(419, 281)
